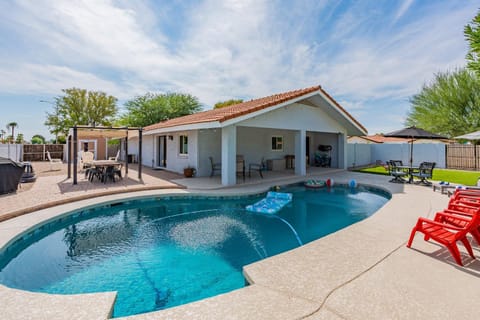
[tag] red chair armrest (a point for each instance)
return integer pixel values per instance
(458, 212)
(422, 220)
(455, 215)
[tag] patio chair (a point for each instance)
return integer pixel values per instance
(108, 173)
(397, 173)
(86, 158)
(54, 162)
(424, 172)
(117, 156)
(459, 218)
(117, 170)
(215, 167)
(447, 234)
(257, 167)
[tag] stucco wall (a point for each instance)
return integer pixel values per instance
(175, 161)
(364, 154)
(296, 117)
(255, 143)
(210, 145)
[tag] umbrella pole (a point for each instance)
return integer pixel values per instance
(411, 152)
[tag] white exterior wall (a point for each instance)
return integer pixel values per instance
(359, 154)
(209, 145)
(364, 154)
(133, 149)
(296, 117)
(11, 151)
(175, 161)
(359, 140)
(147, 149)
(255, 143)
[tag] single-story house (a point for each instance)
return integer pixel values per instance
(291, 124)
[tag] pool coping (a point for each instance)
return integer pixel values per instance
(309, 281)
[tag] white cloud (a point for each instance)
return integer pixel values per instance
(403, 9)
(47, 79)
(234, 48)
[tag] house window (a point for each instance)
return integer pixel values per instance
(183, 145)
(277, 143)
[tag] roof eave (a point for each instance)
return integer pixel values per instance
(186, 127)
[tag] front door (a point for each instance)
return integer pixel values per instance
(162, 151)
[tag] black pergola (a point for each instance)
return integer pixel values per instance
(105, 132)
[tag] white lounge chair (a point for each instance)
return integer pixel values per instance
(116, 157)
(86, 158)
(54, 162)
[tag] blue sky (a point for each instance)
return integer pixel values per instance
(371, 56)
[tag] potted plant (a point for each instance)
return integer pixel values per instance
(189, 172)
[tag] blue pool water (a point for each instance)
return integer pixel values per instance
(163, 252)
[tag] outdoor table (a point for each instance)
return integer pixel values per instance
(102, 165)
(409, 170)
(443, 187)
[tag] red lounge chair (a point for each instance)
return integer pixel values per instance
(447, 234)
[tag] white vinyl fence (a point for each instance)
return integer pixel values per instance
(11, 151)
(362, 154)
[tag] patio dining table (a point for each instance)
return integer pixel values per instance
(409, 170)
(102, 165)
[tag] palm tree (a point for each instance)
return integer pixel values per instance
(12, 125)
(2, 135)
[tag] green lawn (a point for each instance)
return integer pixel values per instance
(468, 178)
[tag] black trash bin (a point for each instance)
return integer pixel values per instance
(10, 175)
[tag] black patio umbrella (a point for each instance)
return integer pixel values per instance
(413, 133)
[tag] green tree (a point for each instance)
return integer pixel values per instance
(38, 139)
(226, 103)
(19, 139)
(472, 34)
(12, 126)
(449, 106)
(61, 139)
(153, 108)
(81, 107)
(2, 135)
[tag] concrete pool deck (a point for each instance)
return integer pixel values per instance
(361, 272)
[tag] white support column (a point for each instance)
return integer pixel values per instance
(300, 149)
(342, 151)
(229, 152)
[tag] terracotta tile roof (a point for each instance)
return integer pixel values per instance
(240, 109)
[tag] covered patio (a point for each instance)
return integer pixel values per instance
(88, 134)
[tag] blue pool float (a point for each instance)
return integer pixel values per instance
(272, 203)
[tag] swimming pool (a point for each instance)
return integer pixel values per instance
(163, 252)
